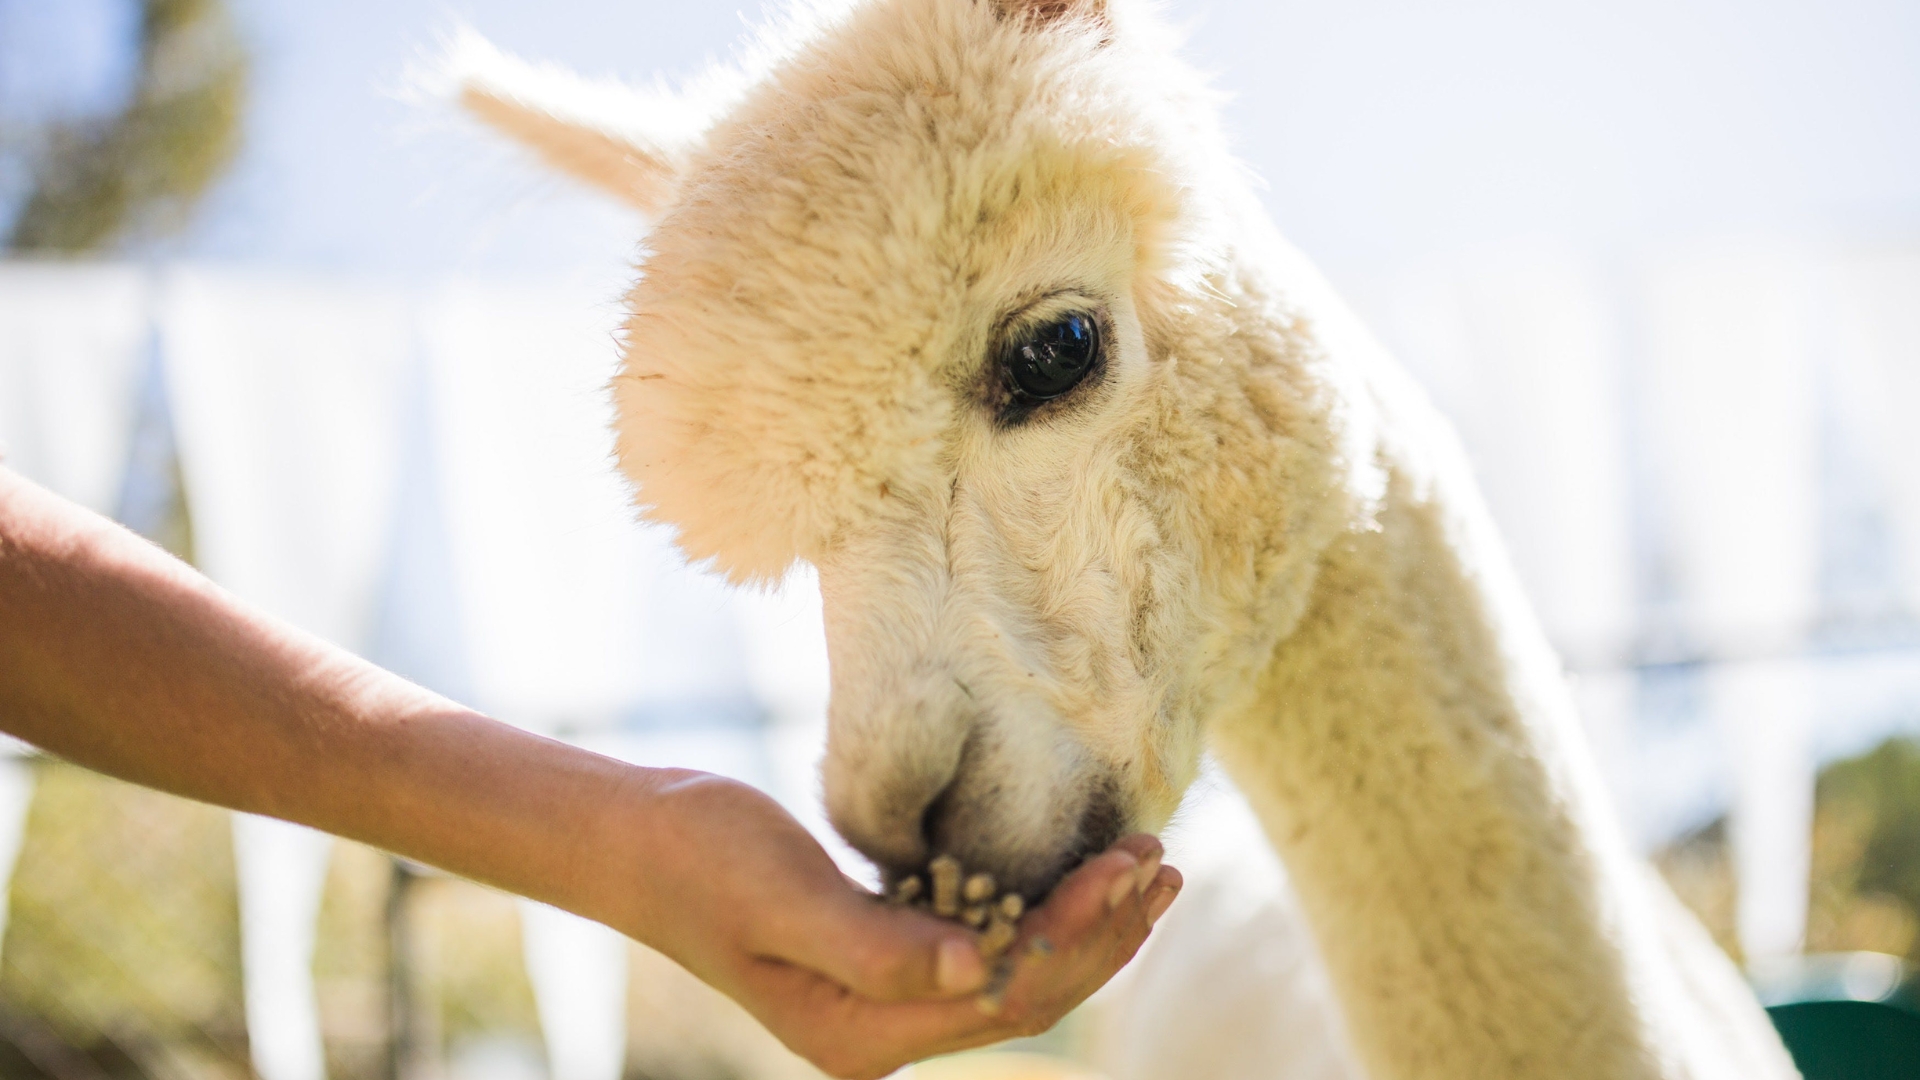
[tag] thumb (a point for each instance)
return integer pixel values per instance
(885, 953)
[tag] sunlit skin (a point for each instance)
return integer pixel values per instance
(116, 656)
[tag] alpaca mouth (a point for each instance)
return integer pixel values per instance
(1102, 821)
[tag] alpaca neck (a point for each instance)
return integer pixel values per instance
(1413, 757)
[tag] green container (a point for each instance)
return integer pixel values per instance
(1850, 1040)
(1845, 1016)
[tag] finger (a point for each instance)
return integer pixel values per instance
(1161, 894)
(892, 954)
(849, 1036)
(1148, 850)
(1092, 893)
(1086, 916)
(1055, 974)
(880, 952)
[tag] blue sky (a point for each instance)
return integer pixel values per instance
(1388, 131)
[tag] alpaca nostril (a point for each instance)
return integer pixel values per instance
(936, 817)
(933, 817)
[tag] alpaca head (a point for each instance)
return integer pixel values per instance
(902, 315)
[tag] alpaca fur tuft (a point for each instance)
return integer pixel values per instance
(1246, 528)
(1044, 12)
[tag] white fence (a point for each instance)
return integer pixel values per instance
(1707, 466)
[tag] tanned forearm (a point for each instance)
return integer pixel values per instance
(118, 657)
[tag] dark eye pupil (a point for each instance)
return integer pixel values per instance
(1052, 359)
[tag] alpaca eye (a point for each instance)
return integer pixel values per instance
(1052, 359)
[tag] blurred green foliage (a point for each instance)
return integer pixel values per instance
(1865, 887)
(97, 180)
(121, 960)
(122, 944)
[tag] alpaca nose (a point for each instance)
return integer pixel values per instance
(1028, 845)
(900, 837)
(893, 814)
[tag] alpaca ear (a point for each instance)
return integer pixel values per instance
(1046, 12)
(627, 142)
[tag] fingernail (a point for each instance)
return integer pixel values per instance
(958, 967)
(1144, 876)
(1122, 887)
(1158, 904)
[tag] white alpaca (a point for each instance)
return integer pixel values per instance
(963, 302)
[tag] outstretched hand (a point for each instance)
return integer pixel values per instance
(739, 893)
(118, 657)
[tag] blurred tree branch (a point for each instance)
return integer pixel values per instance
(98, 179)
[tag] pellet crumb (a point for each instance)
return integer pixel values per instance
(978, 889)
(945, 872)
(908, 889)
(947, 891)
(999, 934)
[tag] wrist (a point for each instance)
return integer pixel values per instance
(631, 853)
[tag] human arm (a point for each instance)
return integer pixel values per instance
(120, 658)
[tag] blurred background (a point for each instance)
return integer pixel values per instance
(1659, 261)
